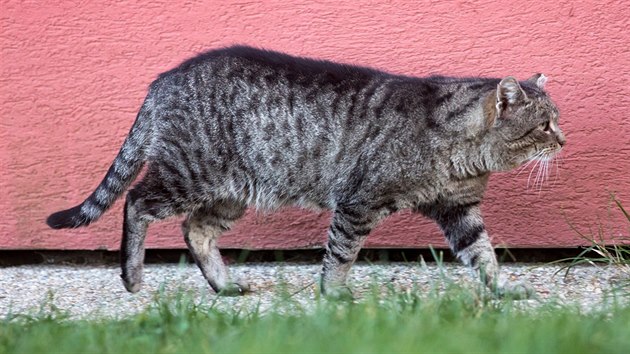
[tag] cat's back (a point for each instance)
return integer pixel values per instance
(240, 60)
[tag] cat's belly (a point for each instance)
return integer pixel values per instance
(453, 191)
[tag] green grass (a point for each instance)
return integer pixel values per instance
(456, 321)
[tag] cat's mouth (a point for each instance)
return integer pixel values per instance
(545, 154)
(541, 166)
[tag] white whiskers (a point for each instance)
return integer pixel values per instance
(542, 168)
(531, 159)
(559, 159)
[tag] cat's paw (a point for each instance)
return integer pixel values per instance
(235, 289)
(132, 286)
(338, 293)
(516, 291)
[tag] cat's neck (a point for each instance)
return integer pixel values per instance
(475, 154)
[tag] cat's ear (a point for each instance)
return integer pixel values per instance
(539, 80)
(509, 92)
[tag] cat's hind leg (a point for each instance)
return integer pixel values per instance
(202, 229)
(152, 199)
(132, 245)
(143, 205)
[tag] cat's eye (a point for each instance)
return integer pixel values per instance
(544, 126)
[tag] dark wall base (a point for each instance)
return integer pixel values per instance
(527, 255)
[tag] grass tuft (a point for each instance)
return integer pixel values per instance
(604, 249)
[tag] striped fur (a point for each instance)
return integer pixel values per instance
(240, 127)
(120, 175)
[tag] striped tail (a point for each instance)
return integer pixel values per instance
(120, 175)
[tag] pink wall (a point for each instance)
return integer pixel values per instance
(75, 72)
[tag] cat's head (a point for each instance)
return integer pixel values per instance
(524, 122)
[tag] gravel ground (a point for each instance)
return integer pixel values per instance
(96, 291)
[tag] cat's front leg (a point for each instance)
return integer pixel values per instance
(348, 230)
(466, 234)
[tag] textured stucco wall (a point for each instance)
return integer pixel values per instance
(73, 74)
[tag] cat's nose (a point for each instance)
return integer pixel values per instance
(560, 138)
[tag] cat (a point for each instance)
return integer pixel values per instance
(240, 126)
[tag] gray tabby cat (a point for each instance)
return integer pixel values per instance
(239, 127)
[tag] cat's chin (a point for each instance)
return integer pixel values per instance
(511, 167)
